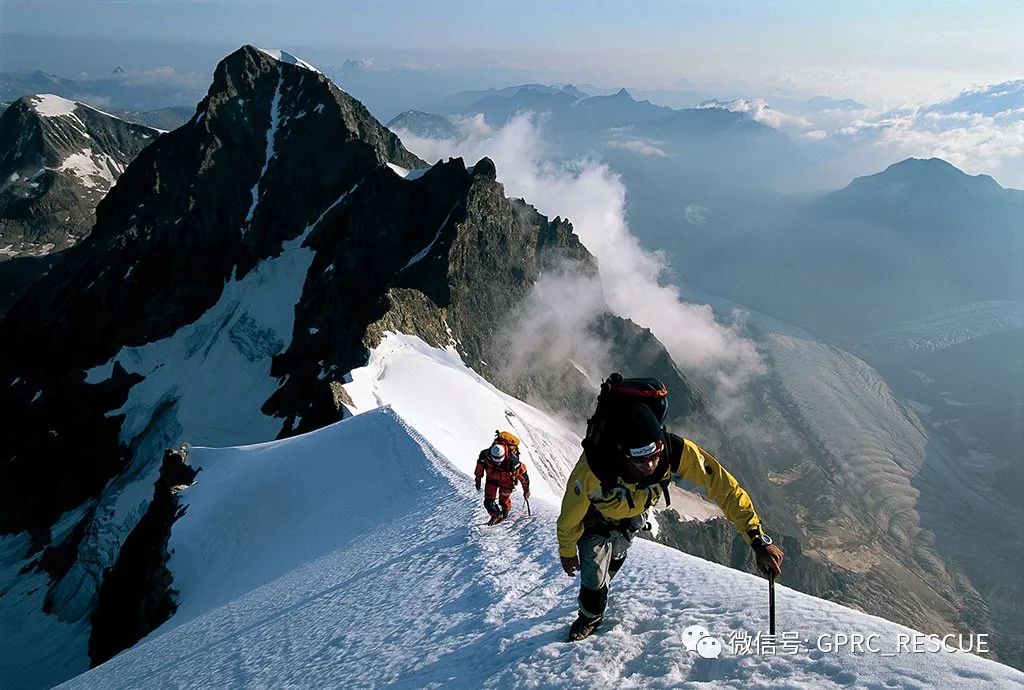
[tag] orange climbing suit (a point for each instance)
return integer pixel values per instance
(501, 481)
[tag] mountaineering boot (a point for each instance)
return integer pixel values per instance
(495, 519)
(584, 627)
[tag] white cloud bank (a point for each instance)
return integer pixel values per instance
(644, 147)
(759, 111)
(981, 130)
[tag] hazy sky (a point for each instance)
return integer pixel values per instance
(879, 51)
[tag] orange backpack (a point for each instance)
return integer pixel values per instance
(507, 439)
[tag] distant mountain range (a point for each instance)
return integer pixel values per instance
(990, 100)
(424, 124)
(156, 105)
(696, 148)
(917, 238)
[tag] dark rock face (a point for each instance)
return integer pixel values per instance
(17, 274)
(485, 168)
(136, 596)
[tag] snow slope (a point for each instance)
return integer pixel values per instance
(356, 556)
(196, 381)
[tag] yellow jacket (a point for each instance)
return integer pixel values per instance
(696, 465)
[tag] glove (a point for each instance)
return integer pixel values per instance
(478, 486)
(769, 560)
(570, 565)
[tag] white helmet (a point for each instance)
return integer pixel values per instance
(497, 452)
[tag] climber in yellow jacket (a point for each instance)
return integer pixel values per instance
(614, 485)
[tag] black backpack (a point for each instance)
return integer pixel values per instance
(617, 395)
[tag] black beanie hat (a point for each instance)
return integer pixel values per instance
(637, 427)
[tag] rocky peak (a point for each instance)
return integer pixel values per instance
(929, 175)
(270, 148)
(928, 192)
(485, 168)
(574, 92)
(57, 160)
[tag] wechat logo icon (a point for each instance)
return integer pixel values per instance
(696, 638)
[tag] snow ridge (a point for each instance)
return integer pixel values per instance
(356, 556)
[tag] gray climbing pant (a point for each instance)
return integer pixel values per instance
(602, 550)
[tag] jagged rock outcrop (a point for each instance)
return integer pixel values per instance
(454, 262)
(136, 596)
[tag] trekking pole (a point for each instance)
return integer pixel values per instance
(528, 507)
(771, 603)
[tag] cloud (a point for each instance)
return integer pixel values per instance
(367, 64)
(759, 111)
(163, 76)
(974, 142)
(593, 198)
(695, 215)
(644, 147)
(981, 130)
(989, 99)
(552, 326)
(473, 126)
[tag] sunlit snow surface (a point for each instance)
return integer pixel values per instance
(49, 105)
(356, 556)
(287, 58)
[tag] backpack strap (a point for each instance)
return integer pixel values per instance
(664, 491)
(674, 448)
(601, 464)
